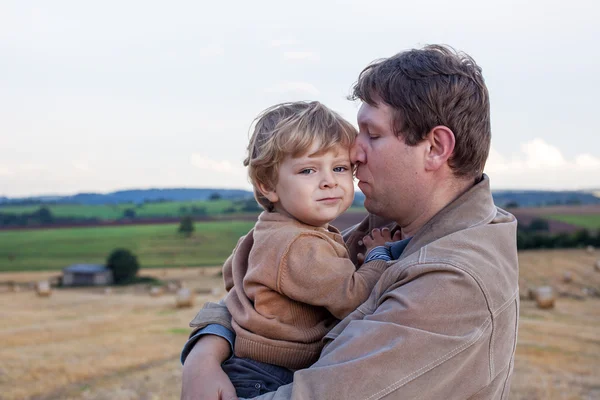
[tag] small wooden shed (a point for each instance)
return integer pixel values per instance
(87, 275)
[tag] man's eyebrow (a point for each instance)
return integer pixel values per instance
(366, 120)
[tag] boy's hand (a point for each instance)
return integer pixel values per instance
(379, 237)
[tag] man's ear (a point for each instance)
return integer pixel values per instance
(268, 192)
(441, 143)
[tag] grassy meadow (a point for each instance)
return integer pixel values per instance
(156, 246)
(115, 211)
(586, 221)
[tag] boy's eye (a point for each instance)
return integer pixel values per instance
(307, 171)
(340, 169)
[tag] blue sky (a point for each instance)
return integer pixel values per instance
(102, 96)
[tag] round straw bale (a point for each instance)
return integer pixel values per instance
(545, 297)
(156, 291)
(567, 277)
(184, 298)
(173, 287)
(590, 249)
(42, 289)
(107, 291)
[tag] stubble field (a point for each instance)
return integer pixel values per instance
(88, 344)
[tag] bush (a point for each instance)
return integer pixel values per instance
(129, 213)
(123, 264)
(186, 226)
(538, 225)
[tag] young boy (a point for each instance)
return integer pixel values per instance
(289, 280)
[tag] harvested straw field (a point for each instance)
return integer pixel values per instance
(124, 344)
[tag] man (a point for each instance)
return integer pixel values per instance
(442, 321)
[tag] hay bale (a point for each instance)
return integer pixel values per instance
(184, 298)
(107, 291)
(545, 297)
(567, 277)
(42, 289)
(156, 291)
(590, 249)
(173, 287)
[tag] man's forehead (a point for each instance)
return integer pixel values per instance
(373, 115)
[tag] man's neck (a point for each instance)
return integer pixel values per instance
(443, 194)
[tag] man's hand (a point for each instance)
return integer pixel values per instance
(203, 378)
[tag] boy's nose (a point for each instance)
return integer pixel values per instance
(328, 181)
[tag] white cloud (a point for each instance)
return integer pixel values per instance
(297, 87)
(301, 55)
(212, 51)
(587, 161)
(540, 165)
(208, 164)
(5, 171)
(31, 167)
(282, 42)
(81, 165)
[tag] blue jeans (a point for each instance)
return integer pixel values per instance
(252, 378)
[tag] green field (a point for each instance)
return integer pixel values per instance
(587, 221)
(156, 246)
(111, 212)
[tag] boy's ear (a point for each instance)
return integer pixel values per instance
(268, 192)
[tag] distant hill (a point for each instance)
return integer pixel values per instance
(539, 198)
(136, 196)
(502, 198)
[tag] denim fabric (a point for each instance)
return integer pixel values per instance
(252, 378)
(212, 329)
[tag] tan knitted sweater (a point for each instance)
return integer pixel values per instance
(288, 284)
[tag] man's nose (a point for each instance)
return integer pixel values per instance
(357, 152)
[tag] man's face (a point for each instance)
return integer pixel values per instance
(315, 188)
(390, 173)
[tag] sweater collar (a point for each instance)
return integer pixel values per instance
(275, 217)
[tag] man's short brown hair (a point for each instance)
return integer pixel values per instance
(434, 86)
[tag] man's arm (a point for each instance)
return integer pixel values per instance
(202, 376)
(427, 338)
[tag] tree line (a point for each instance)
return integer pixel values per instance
(536, 235)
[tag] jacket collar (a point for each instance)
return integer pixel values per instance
(474, 207)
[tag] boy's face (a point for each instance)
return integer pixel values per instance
(314, 188)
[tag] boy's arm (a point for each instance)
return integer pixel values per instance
(312, 272)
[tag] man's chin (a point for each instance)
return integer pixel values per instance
(369, 206)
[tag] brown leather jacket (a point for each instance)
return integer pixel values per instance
(441, 323)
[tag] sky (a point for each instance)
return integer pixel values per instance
(111, 95)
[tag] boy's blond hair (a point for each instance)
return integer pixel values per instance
(291, 129)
